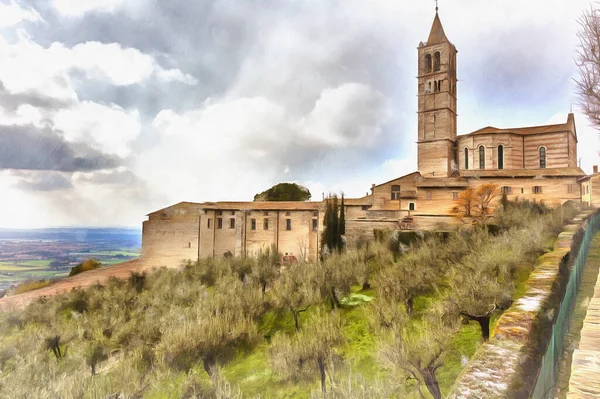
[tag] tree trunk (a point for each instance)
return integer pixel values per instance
(209, 363)
(432, 384)
(409, 306)
(484, 323)
(321, 364)
(296, 320)
(335, 298)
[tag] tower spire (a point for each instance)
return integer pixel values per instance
(436, 6)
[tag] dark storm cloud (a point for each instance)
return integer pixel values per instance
(43, 181)
(10, 101)
(31, 148)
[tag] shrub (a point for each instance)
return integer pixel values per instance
(31, 285)
(137, 281)
(89, 264)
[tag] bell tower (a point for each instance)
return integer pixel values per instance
(437, 104)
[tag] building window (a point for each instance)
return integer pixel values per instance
(208, 223)
(500, 156)
(252, 224)
(427, 195)
(219, 212)
(436, 61)
(364, 207)
(395, 192)
(266, 213)
(232, 213)
(427, 63)
(570, 188)
(537, 189)
(315, 224)
(481, 157)
(411, 206)
(219, 223)
(315, 213)
(266, 224)
(454, 195)
(288, 213)
(466, 158)
(288, 224)
(542, 157)
(232, 223)
(428, 89)
(506, 190)
(522, 190)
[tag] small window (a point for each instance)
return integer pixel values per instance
(481, 157)
(288, 213)
(466, 158)
(428, 63)
(522, 190)
(454, 195)
(395, 192)
(542, 157)
(500, 156)
(428, 87)
(315, 213)
(537, 189)
(232, 223)
(506, 190)
(427, 195)
(252, 224)
(219, 223)
(364, 207)
(436, 61)
(189, 244)
(570, 188)
(219, 213)
(266, 213)
(266, 224)
(232, 213)
(288, 224)
(209, 223)
(315, 224)
(411, 206)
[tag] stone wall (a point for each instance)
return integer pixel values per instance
(507, 365)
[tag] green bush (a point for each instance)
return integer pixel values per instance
(31, 285)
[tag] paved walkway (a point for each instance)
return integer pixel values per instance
(585, 366)
(121, 270)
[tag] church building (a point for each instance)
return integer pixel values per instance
(536, 163)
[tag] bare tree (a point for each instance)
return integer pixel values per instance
(588, 63)
(310, 349)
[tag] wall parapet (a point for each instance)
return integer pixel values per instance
(507, 366)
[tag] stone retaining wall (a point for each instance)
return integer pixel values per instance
(507, 365)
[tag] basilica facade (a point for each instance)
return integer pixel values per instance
(536, 163)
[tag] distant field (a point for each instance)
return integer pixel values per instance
(26, 263)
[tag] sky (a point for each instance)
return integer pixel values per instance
(112, 109)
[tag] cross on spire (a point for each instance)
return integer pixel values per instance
(436, 6)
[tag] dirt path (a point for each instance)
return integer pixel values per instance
(120, 270)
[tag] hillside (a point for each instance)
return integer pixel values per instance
(379, 321)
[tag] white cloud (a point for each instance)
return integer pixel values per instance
(77, 8)
(26, 65)
(12, 13)
(108, 128)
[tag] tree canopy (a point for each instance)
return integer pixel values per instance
(284, 192)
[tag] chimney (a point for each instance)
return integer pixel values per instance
(372, 187)
(595, 168)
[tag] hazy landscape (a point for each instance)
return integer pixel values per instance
(51, 253)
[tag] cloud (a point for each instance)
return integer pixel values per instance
(42, 181)
(12, 14)
(107, 128)
(118, 177)
(31, 148)
(77, 8)
(11, 102)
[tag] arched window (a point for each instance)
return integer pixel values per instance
(466, 158)
(436, 61)
(427, 63)
(481, 157)
(542, 157)
(500, 156)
